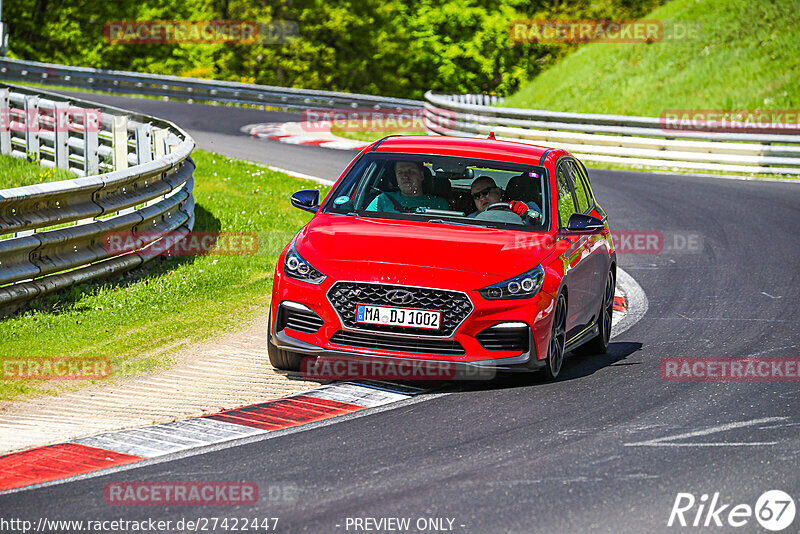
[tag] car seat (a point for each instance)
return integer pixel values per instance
(462, 201)
(386, 182)
(436, 185)
(522, 188)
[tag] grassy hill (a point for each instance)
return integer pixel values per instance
(747, 57)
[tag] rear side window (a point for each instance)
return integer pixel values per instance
(566, 205)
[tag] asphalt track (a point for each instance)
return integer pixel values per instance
(604, 448)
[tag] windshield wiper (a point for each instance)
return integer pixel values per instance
(442, 221)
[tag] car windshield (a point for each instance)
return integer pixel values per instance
(444, 189)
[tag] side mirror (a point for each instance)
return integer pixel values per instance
(307, 199)
(584, 224)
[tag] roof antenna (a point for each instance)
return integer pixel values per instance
(491, 136)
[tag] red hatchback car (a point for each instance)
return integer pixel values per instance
(480, 253)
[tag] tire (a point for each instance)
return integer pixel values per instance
(558, 335)
(599, 343)
(283, 359)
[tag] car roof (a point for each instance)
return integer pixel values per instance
(464, 147)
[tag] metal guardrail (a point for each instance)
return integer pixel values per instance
(615, 138)
(53, 234)
(192, 89)
(637, 141)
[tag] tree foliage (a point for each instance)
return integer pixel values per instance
(388, 47)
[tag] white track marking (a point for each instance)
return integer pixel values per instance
(668, 441)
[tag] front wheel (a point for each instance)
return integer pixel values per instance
(558, 334)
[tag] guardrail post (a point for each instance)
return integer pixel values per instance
(92, 122)
(5, 123)
(32, 130)
(171, 142)
(119, 142)
(61, 134)
(144, 143)
(160, 142)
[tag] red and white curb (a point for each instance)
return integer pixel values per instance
(112, 449)
(630, 303)
(302, 133)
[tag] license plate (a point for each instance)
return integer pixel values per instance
(398, 316)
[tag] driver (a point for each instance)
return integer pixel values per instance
(410, 176)
(485, 193)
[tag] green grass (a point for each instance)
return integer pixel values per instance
(693, 172)
(360, 132)
(747, 58)
(17, 172)
(139, 322)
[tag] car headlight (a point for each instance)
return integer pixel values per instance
(522, 286)
(296, 267)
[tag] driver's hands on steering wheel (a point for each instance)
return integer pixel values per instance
(518, 207)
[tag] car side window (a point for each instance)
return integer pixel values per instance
(566, 204)
(582, 196)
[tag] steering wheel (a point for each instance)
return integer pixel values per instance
(531, 214)
(498, 206)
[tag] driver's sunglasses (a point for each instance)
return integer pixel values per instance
(482, 193)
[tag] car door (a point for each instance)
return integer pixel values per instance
(578, 272)
(597, 245)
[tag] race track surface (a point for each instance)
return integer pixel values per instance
(606, 448)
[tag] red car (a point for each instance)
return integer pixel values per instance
(480, 253)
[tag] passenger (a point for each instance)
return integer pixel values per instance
(485, 193)
(410, 177)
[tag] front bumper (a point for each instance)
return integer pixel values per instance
(471, 361)
(474, 370)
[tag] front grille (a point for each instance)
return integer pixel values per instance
(494, 338)
(398, 344)
(455, 306)
(300, 320)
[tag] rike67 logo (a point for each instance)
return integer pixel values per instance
(774, 510)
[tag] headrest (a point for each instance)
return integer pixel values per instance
(523, 188)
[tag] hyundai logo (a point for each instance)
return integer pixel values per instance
(400, 296)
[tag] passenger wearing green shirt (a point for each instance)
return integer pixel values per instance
(411, 195)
